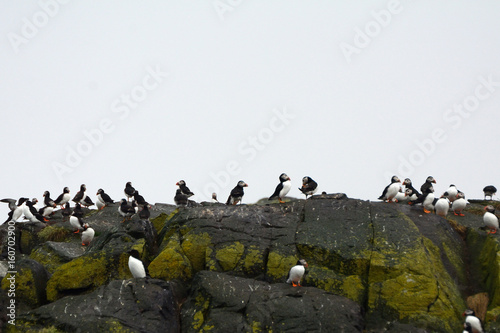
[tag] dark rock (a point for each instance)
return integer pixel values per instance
(224, 303)
(135, 305)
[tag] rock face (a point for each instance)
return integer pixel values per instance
(372, 267)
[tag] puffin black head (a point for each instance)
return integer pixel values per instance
(407, 181)
(242, 184)
(302, 262)
(468, 312)
(66, 190)
(306, 180)
(46, 194)
(395, 179)
(34, 201)
(490, 209)
(430, 179)
(180, 183)
(134, 253)
(284, 177)
(83, 187)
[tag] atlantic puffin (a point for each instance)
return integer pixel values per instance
(78, 211)
(77, 223)
(451, 193)
(103, 199)
(408, 184)
(309, 186)
(32, 214)
(296, 273)
(475, 323)
(139, 199)
(282, 189)
(426, 188)
(47, 201)
(184, 189)
(459, 204)
(428, 202)
(441, 207)
(391, 190)
(126, 210)
(236, 194)
(144, 214)
(214, 198)
(180, 198)
(82, 198)
(490, 219)
(63, 198)
(489, 191)
(129, 190)
(15, 214)
(87, 234)
(135, 265)
(403, 196)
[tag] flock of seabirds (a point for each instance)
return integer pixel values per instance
(135, 203)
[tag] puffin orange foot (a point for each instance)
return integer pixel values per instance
(75, 232)
(461, 214)
(281, 201)
(426, 211)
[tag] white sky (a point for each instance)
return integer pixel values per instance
(224, 70)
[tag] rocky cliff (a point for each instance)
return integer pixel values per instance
(373, 267)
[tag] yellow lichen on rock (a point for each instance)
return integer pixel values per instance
(171, 263)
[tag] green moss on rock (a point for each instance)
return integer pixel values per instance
(54, 234)
(278, 265)
(229, 256)
(171, 263)
(194, 247)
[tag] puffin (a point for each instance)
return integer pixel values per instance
(459, 204)
(185, 190)
(47, 201)
(441, 206)
(126, 210)
(214, 198)
(34, 201)
(428, 202)
(403, 196)
(144, 214)
(139, 199)
(309, 186)
(129, 190)
(451, 193)
(77, 223)
(66, 211)
(490, 219)
(63, 198)
(103, 199)
(46, 211)
(180, 198)
(135, 265)
(426, 188)
(475, 323)
(78, 211)
(296, 273)
(32, 214)
(15, 214)
(489, 191)
(82, 198)
(282, 189)
(408, 184)
(236, 194)
(391, 190)
(87, 234)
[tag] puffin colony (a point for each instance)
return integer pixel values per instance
(24, 210)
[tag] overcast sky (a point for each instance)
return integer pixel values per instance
(346, 92)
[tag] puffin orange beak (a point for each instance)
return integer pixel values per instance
(177, 183)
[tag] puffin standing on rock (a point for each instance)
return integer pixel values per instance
(297, 272)
(87, 234)
(103, 199)
(82, 198)
(126, 210)
(184, 189)
(309, 186)
(63, 198)
(135, 265)
(236, 194)
(129, 190)
(459, 204)
(490, 219)
(391, 190)
(282, 189)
